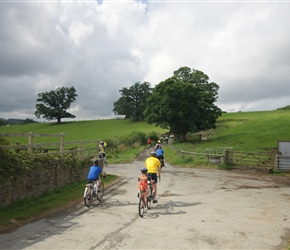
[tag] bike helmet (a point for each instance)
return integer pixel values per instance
(144, 170)
(159, 141)
(96, 162)
(153, 153)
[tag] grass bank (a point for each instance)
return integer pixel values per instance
(30, 209)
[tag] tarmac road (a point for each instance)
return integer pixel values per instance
(196, 209)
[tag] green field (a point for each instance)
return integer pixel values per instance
(250, 131)
(257, 132)
(81, 130)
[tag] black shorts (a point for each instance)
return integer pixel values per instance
(160, 157)
(153, 177)
(102, 155)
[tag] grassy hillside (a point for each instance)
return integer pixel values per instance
(82, 130)
(244, 131)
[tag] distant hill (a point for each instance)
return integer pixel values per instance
(13, 121)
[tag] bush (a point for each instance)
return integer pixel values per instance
(153, 136)
(223, 166)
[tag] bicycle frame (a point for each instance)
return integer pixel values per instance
(142, 202)
(90, 194)
(145, 199)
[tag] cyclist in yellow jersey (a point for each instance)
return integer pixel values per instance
(102, 146)
(153, 165)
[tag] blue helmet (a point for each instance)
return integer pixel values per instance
(144, 170)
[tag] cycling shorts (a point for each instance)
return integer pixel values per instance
(153, 177)
(160, 157)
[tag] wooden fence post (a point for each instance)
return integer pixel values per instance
(30, 143)
(61, 143)
(82, 149)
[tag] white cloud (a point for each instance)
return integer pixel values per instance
(79, 32)
(100, 47)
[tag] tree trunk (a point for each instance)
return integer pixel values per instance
(182, 137)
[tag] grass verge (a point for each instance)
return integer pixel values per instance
(31, 209)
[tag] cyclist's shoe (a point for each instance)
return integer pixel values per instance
(155, 201)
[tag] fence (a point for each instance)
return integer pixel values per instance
(228, 155)
(78, 149)
(214, 155)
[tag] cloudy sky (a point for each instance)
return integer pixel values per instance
(101, 46)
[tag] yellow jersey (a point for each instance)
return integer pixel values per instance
(152, 164)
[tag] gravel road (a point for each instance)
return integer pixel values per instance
(196, 209)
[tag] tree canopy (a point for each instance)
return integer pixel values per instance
(133, 101)
(184, 103)
(54, 104)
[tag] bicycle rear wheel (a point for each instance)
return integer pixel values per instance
(100, 192)
(141, 206)
(149, 197)
(88, 196)
(149, 200)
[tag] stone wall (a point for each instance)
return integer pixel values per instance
(50, 175)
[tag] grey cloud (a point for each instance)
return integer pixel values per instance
(100, 47)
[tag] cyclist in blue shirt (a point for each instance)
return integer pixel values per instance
(160, 155)
(95, 172)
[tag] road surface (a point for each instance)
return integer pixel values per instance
(196, 209)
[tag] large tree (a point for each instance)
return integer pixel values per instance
(133, 101)
(54, 104)
(184, 103)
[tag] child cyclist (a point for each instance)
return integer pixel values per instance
(94, 173)
(143, 180)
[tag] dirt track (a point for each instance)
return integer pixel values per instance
(197, 209)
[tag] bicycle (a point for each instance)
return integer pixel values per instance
(161, 162)
(105, 163)
(93, 191)
(145, 199)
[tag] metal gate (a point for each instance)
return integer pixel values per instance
(283, 157)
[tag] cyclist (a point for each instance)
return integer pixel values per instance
(94, 173)
(160, 155)
(166, 139)
(154, 169)
(158, 144)
(148, 142)
(102, 152)
(143, 180)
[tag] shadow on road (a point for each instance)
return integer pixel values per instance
(168, 208)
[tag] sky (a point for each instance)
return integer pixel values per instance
(101, 46)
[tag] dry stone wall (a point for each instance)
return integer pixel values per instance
(50, 175)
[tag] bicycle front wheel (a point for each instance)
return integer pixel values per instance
(88, 196)
(141, 206)
(100, 192)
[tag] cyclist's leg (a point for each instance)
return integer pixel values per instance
(154, 185)
(99, 181)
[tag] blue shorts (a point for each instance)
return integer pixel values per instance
(153, 177)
